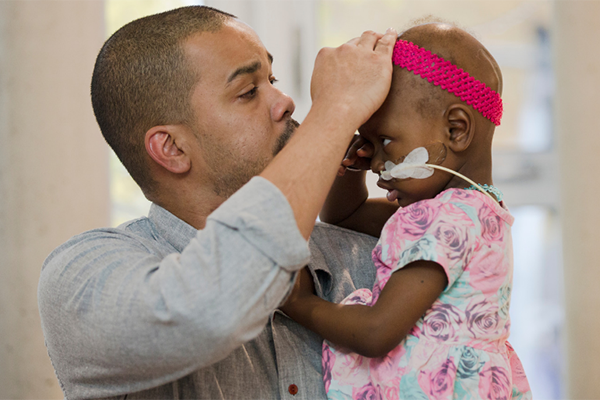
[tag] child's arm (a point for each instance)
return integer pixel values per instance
(370, 331)
(347, 204)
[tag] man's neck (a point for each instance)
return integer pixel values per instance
(192, 208)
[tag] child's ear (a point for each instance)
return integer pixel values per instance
(460, 125)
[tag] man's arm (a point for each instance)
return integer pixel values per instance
(123, 312)
(349, 84)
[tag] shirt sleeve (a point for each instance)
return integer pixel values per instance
(120, 318)
(432, 231)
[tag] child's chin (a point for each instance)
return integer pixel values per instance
(404, 201)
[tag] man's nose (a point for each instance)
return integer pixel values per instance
(283, 106)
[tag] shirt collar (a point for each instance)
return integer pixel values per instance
(174, 230)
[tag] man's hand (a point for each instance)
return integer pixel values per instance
(358, 156)
(355, 77)
(349, 84)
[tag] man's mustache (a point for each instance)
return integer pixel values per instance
(288, 132)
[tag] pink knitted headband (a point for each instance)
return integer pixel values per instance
(449, 77)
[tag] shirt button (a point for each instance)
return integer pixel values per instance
(293, 389)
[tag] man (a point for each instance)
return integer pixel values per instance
(168, 306)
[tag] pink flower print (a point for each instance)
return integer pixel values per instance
(439, 383)
(489, 272)
(442, 322)
(483, 320)
(377, 291)
(504, 301)
(463, 194)
(519, 379)
(376, 254)
(415, 331)
(494, 384)
(454, 238)
(391, 392)
(328, 361)
(415, 219)
(422, 249)
(470, 363)
(350, 369)
(385, 370)
(366, 392)
(492, 226)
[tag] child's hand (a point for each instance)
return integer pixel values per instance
(303, 288)
(358, 156)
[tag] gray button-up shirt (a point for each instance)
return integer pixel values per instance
(156, 309)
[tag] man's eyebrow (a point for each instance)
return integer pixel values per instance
(248, 69)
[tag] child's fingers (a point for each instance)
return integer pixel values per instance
(366, 150)
(355, 145)
(350, 156)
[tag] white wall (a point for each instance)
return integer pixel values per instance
(577, 60)
(53, 168)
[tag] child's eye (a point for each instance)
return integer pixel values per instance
(273, 80)
(386, 142)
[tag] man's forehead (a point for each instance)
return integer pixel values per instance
(223, 52)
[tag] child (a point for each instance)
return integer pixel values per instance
(436, 323)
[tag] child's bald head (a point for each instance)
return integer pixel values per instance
(456, 46)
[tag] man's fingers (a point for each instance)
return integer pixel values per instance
(369, 39)
(386, 43)
(354, 40)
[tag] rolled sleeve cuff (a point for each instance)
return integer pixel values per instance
(263, 216)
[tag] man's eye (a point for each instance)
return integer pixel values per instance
(386, 142)
(273, 80)
(249, 94)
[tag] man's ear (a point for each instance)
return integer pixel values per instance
(461, 127)
(164, 145)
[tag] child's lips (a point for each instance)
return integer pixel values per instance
(392, 195)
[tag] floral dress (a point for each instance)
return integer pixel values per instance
(458, 349)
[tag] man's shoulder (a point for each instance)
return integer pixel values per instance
(138, 233)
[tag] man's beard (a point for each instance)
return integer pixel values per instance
(229, 181)
(289, 130)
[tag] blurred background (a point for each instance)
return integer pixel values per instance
(58, 177)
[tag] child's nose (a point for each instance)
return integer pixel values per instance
(377, 165)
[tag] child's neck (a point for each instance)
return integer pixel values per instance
(480, 172)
